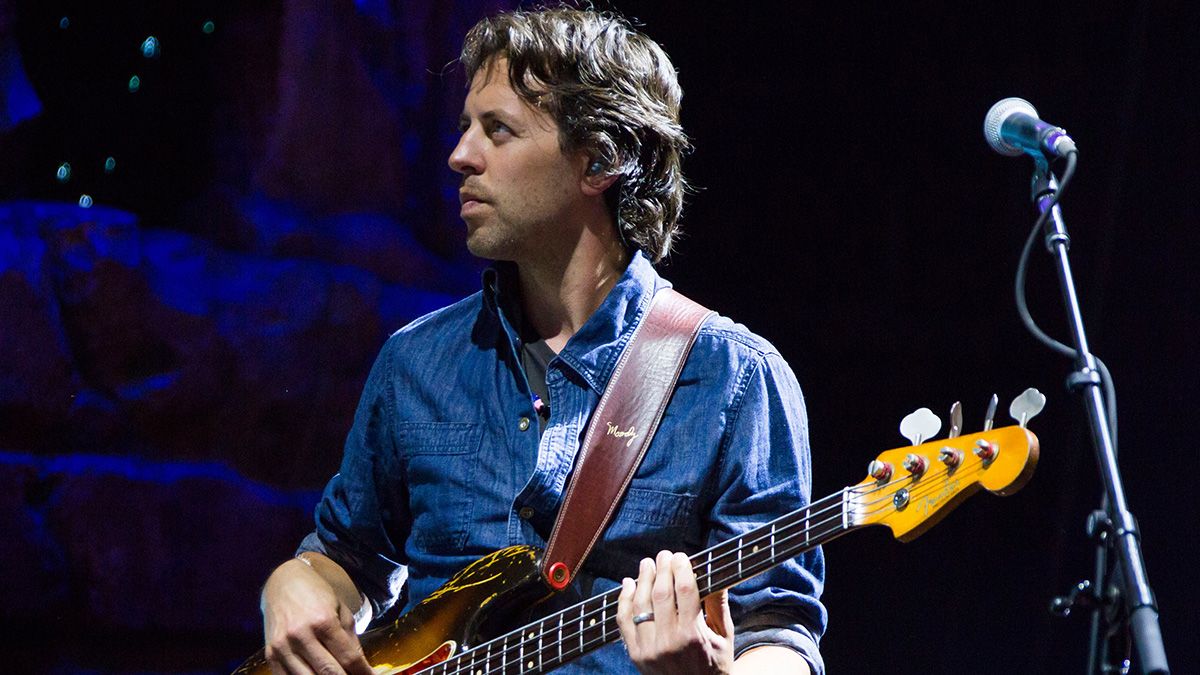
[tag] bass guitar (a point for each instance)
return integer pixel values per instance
(460, 628)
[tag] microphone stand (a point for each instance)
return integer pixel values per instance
(1113, 526)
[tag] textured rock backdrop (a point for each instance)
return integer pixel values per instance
(181, 351)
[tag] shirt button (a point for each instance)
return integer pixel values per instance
(526, 512)
(523, 424)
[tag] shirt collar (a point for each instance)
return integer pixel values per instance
(593, 351)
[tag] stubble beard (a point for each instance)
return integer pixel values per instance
(492, 239)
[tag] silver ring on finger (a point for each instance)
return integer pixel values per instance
(643, 618)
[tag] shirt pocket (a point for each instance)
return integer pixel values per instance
(648, 521)
(656, 509)
(440, 460)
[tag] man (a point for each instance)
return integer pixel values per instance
(471, 417)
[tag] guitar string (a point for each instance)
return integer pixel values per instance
(919, 490)
(607, 607)
(716, 570)
(836, 497)
(508, 656)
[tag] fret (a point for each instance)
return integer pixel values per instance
(708, 568)
(487, 658)
(582, 626)
(740, 545)
(773, 554)
(807, 531)
(604, 622)
(589, 626)
(716, 576)
(471, 665)
(541, 636)
(527, 660)
(559, 641)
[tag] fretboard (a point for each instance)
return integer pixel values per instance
(570, 633)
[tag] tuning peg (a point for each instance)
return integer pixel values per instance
(955, 420)
(915, 464)
(1026, 406)
(880, 471)
(919, 425)
(950, 456)
(991, 413)
(985, 450)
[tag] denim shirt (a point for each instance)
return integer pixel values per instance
(444, 465)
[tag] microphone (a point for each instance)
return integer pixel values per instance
(1012, 127)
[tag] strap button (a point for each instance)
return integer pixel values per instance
(523, 424)
(526, 512)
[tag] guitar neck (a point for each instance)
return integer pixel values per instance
(736, 560)
(570, 633)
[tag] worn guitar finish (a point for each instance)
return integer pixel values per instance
(466, 610)
(456, 630)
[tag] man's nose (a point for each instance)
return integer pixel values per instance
(466, 158)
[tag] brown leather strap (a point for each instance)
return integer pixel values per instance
(621, 429)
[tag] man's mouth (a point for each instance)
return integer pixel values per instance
(466, 196)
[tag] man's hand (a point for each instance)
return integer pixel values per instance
(309, 622)
(672, 634)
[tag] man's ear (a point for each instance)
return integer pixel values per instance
(596, 180)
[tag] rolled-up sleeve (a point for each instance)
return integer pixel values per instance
(766, 473)
(362, 518)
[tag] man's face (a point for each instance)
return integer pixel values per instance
(519, 192)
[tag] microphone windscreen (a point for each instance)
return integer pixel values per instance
(995, 117)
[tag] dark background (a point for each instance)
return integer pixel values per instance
(167, 453)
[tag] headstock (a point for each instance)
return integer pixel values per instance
(910, 489)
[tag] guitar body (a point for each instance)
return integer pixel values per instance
(468, 609)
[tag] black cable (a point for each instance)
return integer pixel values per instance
(1110, 392)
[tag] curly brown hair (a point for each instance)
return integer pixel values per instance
(613, 93)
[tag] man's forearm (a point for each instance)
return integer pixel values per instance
(770, 659)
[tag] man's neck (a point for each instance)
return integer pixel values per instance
(558, 297)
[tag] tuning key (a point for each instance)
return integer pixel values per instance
(915, 464)
(986, 450)
(920, 425)
(880, 471)
(1026, 406)
(991, 413)
(955, 420)
(950, 456)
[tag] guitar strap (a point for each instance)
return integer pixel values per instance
(621, 429)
